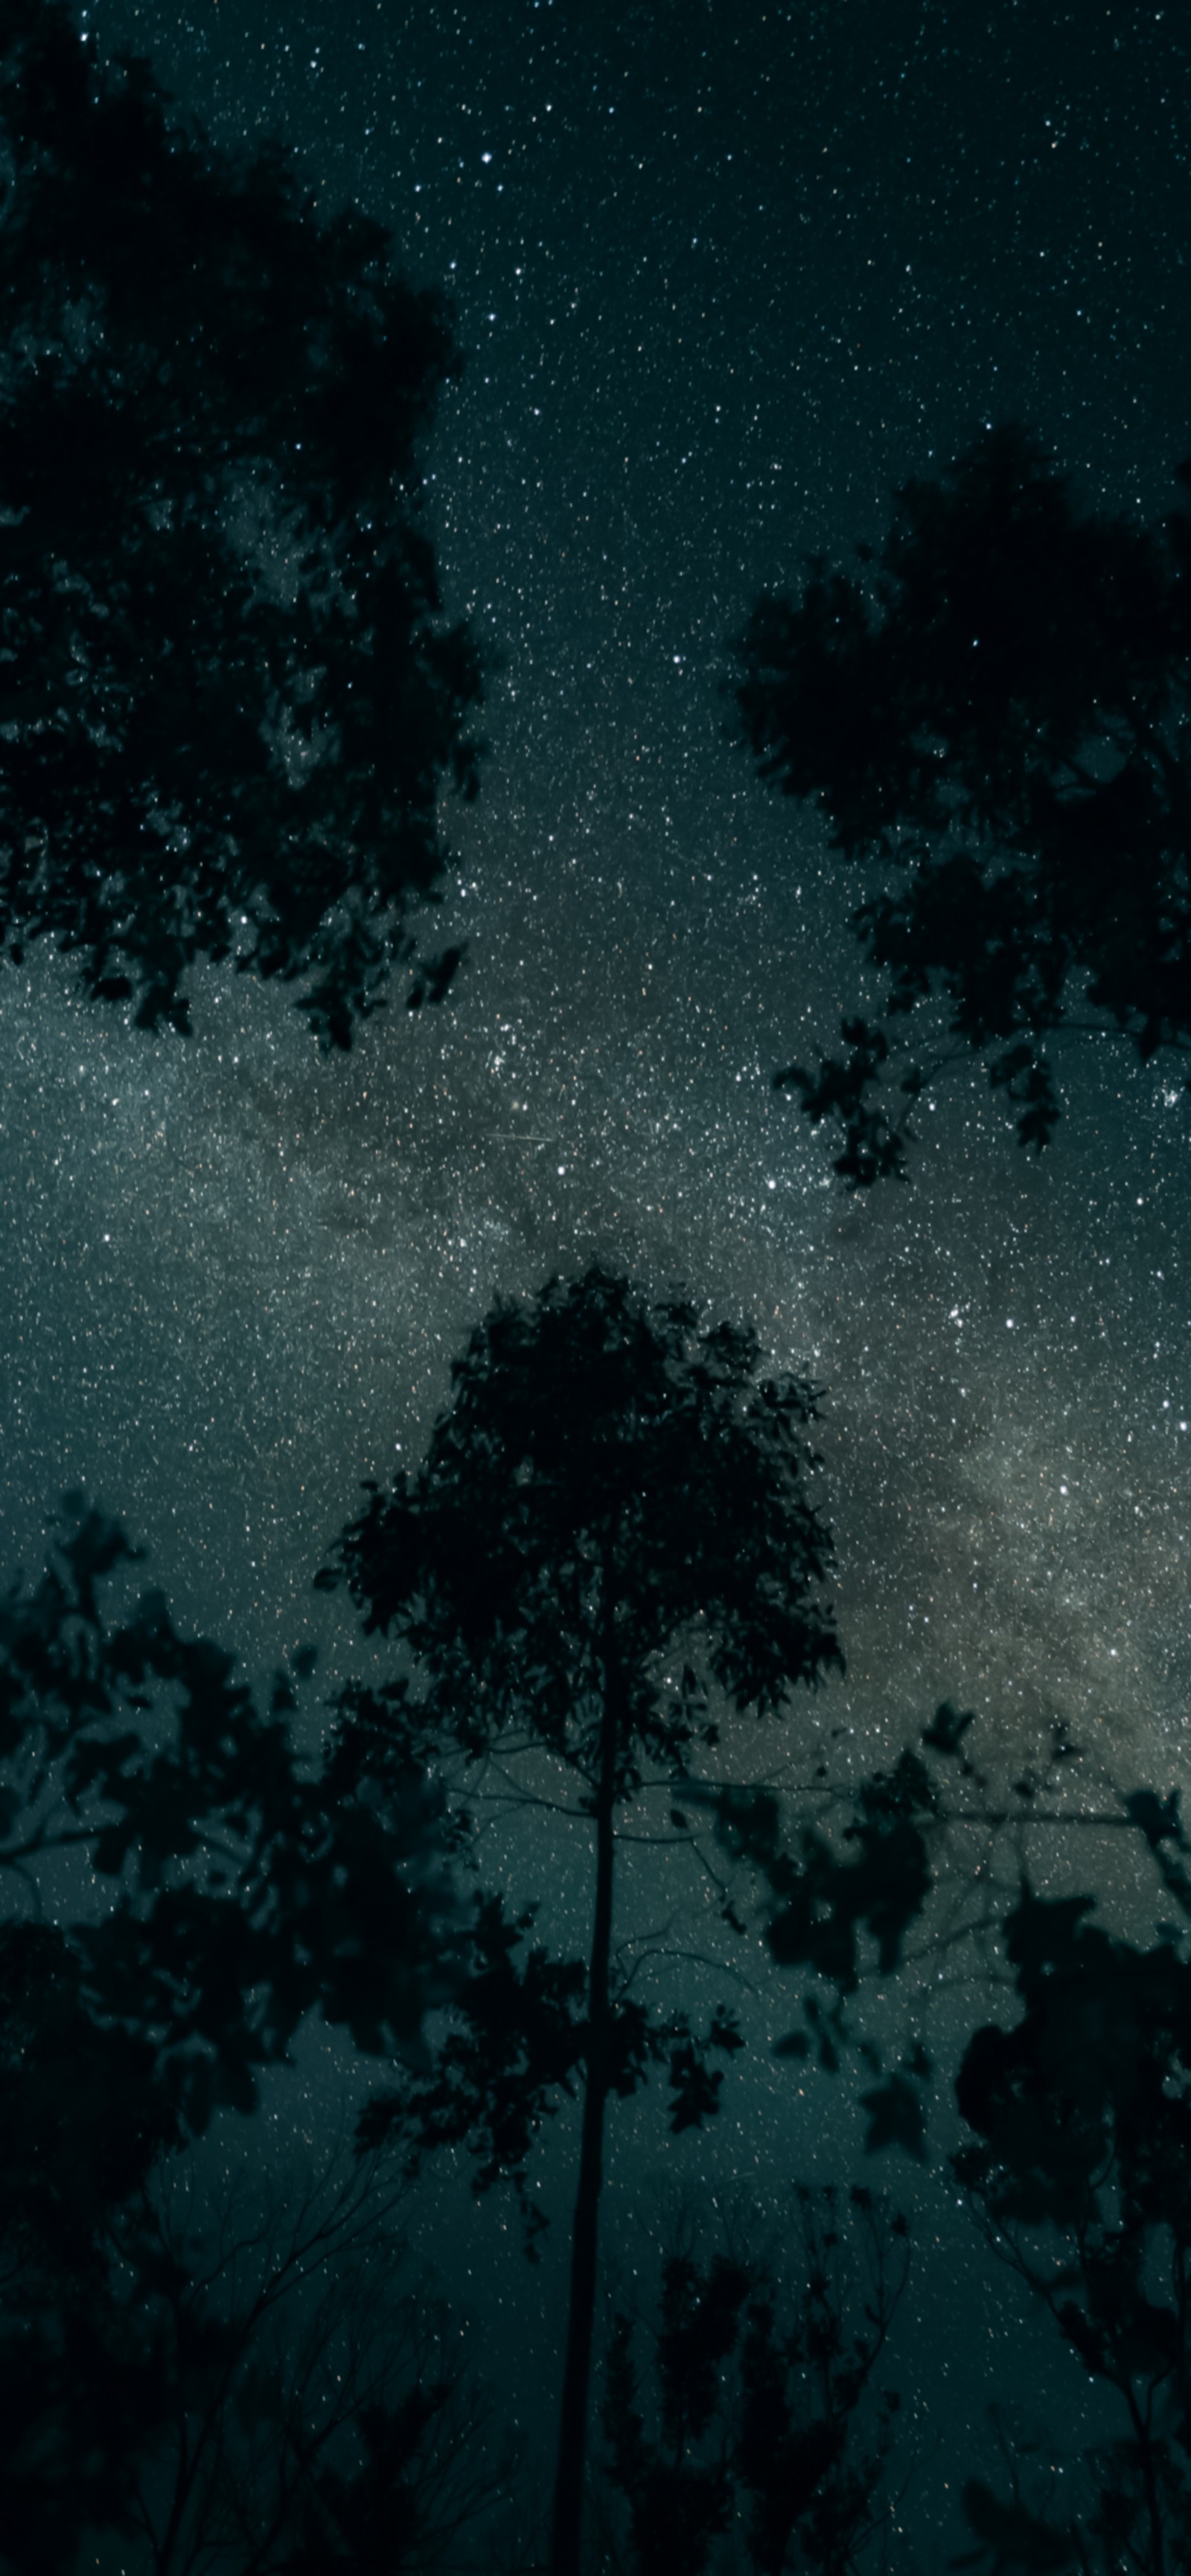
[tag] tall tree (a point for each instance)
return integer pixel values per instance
(228, 699)
(993, 714)
(610, 1521)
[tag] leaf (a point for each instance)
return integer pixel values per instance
(895, 2118)
(696, 2090)
(1013, 2541)
(947, 1728)
(1158, 1819)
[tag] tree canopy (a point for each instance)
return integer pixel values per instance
(1079, 2166)
(1076, 2100)
(182, 1886)
(993, 713)
(228, 699)
(250, 1884)
(606, 1472)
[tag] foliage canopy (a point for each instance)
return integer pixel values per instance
(994, 715)
(227, 696)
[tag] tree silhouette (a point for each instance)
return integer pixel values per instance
(242, 1886)
(994, 715)
(312, 2389)
(248, 1884)
(1079, 2111)
(1020, 2535)
(908, 1865)
(227, 697)
(759, 2413)
(1081, 2173)
(211, 2369)
(83, 2118)
(611, 1520)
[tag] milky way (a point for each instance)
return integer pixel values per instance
(723, 277)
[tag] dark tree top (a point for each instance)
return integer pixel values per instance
(995, 713)
(610, 1483)
(227, 697)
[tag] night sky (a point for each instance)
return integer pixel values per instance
(724, 275)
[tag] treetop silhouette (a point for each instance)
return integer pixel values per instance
(993, 714)
(227, 695)
(607, 1479)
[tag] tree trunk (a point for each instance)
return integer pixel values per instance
(572, 2431)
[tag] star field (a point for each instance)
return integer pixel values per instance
(723, 277)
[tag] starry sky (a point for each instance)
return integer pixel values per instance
(724, 276)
